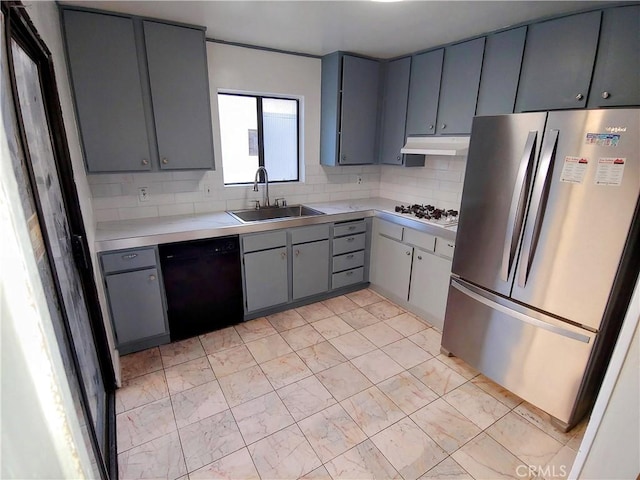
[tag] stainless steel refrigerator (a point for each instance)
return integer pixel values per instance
(546, 252)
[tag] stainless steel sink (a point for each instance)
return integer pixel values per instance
(273, 213)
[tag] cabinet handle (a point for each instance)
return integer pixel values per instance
(408, 253)
(351, 239)
(297, 252)
(579, 96)
(431, 127)
(606, 94)
(352, 227)
(343, 158)
(349, 273)
(443, 126)
(129, 256)
(419, 257)
(350, 256)
(165, 161)
(152, 277)
(398, 158)
(283, 255)
(144, 161)
(450, 245)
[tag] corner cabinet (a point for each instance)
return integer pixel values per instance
(558, 63)
(349, 110)
(136, 299)
(616, 79)
(141, 91)
(394, 110)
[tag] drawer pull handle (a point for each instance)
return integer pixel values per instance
(129, 256)
(349, 273)
(350, 256)
(152, 277)
(351, 239)
(450, 246)
(352, 227)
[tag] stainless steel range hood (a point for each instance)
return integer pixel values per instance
(436, 146)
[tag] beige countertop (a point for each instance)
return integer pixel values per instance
(157, 230)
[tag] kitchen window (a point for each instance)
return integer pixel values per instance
(256, 131)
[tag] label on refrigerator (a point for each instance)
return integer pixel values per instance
(610, 171)
(574, 169)
(602, 139)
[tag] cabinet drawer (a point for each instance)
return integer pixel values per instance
(445, 247)
(419, 239)
(349, 277)
(390, 230)
(350, 228)
(309, 234)
(128, 260)
(264, 241)
(348, 261)
(348, 244)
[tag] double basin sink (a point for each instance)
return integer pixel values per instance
(273, 213)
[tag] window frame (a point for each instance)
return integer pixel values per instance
(259, 114)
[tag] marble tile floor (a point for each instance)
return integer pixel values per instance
(350, 388)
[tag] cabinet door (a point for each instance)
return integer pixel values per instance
(424, 91)
(430, 285)
(616, 79)
(558, 63)
(108, 94)
(392, 268)
(310, 269)
(265, 277)
(500, 72)
(136, 305)
(459, 87)
(177, 61)
(359, 110)
(394, 110)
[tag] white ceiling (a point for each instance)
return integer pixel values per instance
(377, 29)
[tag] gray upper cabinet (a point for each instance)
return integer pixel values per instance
(394, 110)
(558, 63)
(108, 91)
(616, 79)
(459, 87)
(424, 91)
(500, 72)
(142, 92)
(349, 110)
(177, 62)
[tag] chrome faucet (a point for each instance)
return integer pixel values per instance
(266, 184)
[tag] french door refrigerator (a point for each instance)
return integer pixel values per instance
(547, 252)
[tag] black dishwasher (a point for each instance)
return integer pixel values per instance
(203, 285)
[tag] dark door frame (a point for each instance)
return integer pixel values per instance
(18, 27)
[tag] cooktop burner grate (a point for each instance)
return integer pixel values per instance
(430, 213)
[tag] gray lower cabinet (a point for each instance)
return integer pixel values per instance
(349, 110)
(394, 110)
(430, 285)
(141, 91)
(616, 78)
(501, 72)
(392, 266)
(266, 279)
(310, 269)
(558, 63)
(424, 91)
(459, 87)
(349, 264)
(136, 299)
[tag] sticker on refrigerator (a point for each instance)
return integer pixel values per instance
(603, 139)
(574, 170)
(610, 171)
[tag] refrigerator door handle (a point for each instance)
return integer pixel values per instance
(518, 200)
(538, 204)
(520, 316)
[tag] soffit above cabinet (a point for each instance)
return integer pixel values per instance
(377, 29)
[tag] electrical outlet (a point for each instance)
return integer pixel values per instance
(359, 181)
(207, 190)
(143, 194)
